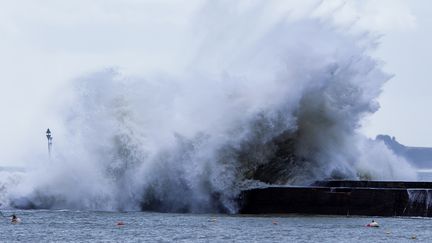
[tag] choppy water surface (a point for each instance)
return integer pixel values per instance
(43, 226)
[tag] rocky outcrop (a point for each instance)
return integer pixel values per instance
(420, 157)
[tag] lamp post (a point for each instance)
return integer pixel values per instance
(49, 137)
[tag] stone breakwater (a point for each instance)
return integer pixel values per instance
(370, 198)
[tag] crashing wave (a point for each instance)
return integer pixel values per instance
(276, 102)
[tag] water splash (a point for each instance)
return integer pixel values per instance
(254, 100)
(9, 179)
(420, 200)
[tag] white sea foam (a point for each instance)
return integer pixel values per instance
(187, 139)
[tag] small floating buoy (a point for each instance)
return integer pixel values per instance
(414, 237)
(213, 220)
(373, 224)
(274, 222)
(120, 223)
(16, 221)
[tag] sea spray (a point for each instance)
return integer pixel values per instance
(420, 201)
(9, 179)
(253, 101)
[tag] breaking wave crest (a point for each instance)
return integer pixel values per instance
(254, 102)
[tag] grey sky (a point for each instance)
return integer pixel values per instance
(45, 44)
(405, 104)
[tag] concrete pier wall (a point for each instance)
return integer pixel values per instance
(342, 198)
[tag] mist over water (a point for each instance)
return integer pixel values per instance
(251, 101)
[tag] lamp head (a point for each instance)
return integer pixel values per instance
(48, 133)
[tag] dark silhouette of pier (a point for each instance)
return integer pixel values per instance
(339, 197)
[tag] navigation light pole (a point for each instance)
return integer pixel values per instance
(49, 137)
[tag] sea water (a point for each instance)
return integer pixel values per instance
(99, 226)
(91, 226)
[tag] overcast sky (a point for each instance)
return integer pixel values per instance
(406, 101)
(45, 44)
